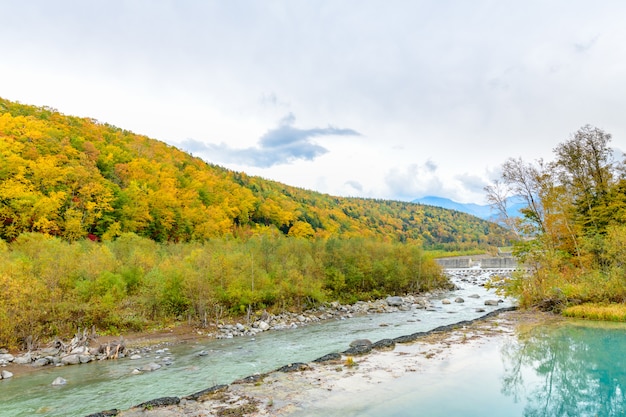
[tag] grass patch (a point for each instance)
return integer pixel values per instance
(594, 311)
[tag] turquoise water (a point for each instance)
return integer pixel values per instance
(572, 369)
(575, 369)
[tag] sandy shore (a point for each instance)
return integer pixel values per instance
(292, 393)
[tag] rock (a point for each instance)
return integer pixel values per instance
(491, 302)
(360, 342)
(480, 310)
(41, 362)
(203, 353)
(240, 327)
(328, 358)
(294, 367)
(135, 357)
(445, 301)
(474, 296)
(159, 402)
(6, 357)
(81, 350)
(136, 372)
(70, 360)
(198, 395)
(394, 301)
(59, 381)
(6, 374)
(49, 351)
(84, 358)
(24, 359)
(150, 367)
(459, 300)
(263, 326)
(384, 344)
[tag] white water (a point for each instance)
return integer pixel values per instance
(104, 385)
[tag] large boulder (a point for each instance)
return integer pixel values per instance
(24, 359)
(6, 374)
(41, 362)
(70, 360)
(7, 357)
(394, 301)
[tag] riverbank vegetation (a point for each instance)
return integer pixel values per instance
(51, 286)
(572, 236)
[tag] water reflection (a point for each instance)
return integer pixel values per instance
(567, 370)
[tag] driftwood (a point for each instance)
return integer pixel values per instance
(80, 339)
(112, 350)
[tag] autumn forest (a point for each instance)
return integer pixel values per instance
(103, 227)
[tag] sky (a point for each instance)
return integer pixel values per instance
(391, 99)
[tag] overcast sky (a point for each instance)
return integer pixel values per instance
(386, 99)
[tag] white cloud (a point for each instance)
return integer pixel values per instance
(465, 84)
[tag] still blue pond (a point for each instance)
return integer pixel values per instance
(570, 369)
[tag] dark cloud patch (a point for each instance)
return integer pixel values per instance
(281, 145)
(430, 166)
(193, 146)
(355, 184)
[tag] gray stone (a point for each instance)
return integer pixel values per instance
(150, 367)
(6, 357)
(135, 357)
(361, 342)
(70, 360)
(59, 381)
(6, 374)
(84, 358)
(491, 302)
(394, 301)
(41, 362)
(81, 350)
(474, 296)
(459, 300)
(445, 301)
(24, 359)
(50, 351)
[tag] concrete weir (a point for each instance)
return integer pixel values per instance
(479, 262)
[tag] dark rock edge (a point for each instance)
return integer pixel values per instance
(299, 366)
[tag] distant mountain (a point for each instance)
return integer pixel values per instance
(485, 212)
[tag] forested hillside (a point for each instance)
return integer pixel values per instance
(75, 177)
(103, 227)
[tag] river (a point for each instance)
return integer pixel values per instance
(111, 384)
